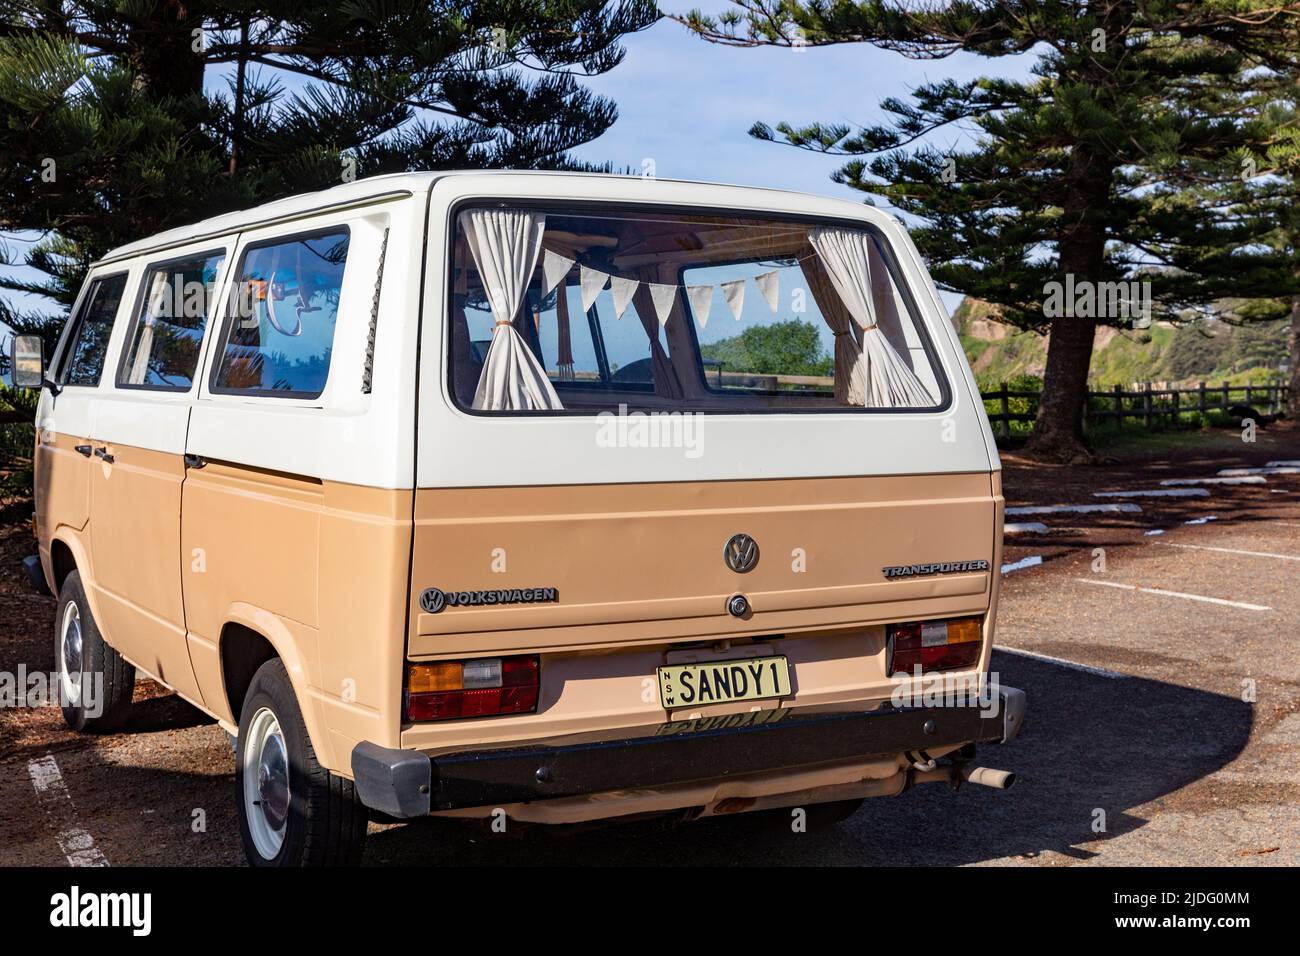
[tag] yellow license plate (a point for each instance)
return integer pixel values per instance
(722, 682)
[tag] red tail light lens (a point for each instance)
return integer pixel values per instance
(484, 687)
(935, 645)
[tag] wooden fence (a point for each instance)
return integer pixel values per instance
(1147, 403)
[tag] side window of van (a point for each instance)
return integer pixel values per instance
(279, 326)
(94, 324)
(163, 345)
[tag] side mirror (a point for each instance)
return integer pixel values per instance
(27, 362)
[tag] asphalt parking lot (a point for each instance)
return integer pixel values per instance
(1162, 671)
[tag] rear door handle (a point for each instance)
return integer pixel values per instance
(82, 450)
(103, 453)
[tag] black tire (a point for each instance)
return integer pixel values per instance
(325, 823)
(106, 674)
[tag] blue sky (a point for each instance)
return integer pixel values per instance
(687, 104)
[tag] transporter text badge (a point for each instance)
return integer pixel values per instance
(942, 567)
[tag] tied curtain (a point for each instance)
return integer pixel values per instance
(564, 359)
(663, 374)
(868, 370)
(505, 244)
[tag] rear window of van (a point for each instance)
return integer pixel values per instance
(559, 309)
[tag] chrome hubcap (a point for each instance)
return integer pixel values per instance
(70, 649)
(266, 783)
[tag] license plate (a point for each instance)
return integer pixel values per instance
(722, 682)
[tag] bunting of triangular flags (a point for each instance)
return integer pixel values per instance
(623, 290)
(592, 281)
(734, 293)
(554, 268)
(701, 298)
(769, 283)
(663, 297)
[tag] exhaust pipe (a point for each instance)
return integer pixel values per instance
(988, 777)
(957, 774)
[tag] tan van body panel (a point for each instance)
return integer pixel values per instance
(330, 573)
(640, 569)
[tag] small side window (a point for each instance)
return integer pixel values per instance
(163, 347)
(279, 327)
(94, 324)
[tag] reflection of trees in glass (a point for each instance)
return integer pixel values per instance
(175, 329)
(780, 348)
(174, 354)
(92, 336)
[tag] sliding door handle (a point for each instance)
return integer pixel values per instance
(82, 450)
(103, 453)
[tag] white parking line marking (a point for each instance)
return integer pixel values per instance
(1250, 554)
(51, 792)
(1270, 470)
(1062, 662)
(1022, 564)
(1178, 594)
(1127, 508)
(1024, 527)
(1155, 493)
(1222, 480)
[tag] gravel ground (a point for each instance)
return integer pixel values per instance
(1157, 745)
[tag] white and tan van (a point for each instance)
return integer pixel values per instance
(563, 496)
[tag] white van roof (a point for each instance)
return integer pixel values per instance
(393, 185)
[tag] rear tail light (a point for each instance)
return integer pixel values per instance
(485, 687)
(934, 645)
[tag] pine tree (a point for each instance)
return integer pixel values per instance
(1271, 179)
(118, 119)
(1097, 168)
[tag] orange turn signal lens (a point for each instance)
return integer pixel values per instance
(430, 678)
(964, 630)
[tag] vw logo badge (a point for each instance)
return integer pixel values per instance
(432, 600)
(741, 553)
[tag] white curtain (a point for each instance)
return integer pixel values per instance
(850, 370)
(887, 381)
(505, 244)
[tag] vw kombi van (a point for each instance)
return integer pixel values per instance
(528, 496)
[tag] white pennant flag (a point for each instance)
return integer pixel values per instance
(662, 296)
(734, 293)
(592, 281)
(769, 283)
(623, 290)
(554, 268)
(701, 297)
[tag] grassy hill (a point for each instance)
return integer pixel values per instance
(1203, 351)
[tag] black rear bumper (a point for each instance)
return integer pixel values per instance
(406, 783)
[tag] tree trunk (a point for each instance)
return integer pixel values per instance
(1081, 253)
(1058, 428)
(163, 48)
(1293, 398)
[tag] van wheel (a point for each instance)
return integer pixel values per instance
(292, 811)
(95, 681)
